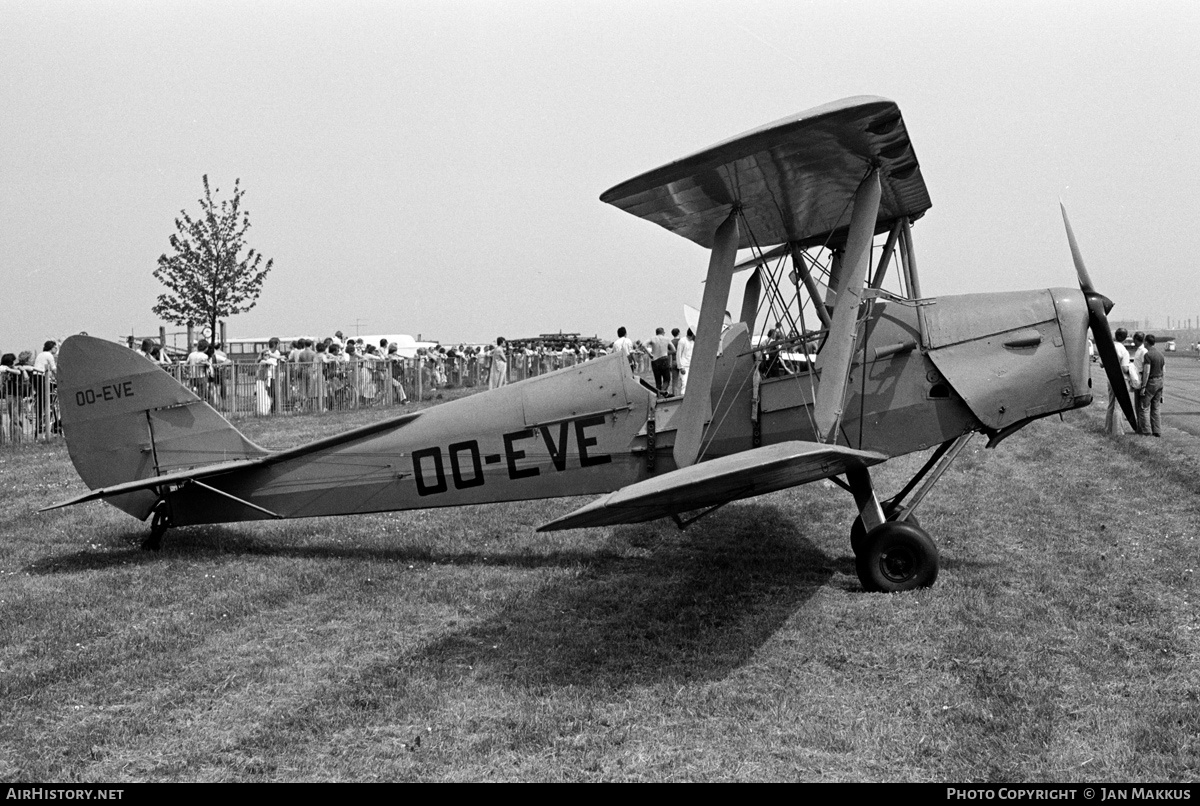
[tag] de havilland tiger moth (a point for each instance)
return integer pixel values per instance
(823, 204)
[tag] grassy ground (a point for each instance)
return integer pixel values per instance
(1059, 644)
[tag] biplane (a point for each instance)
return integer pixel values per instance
(816, 211)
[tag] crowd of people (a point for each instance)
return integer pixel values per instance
(28, 406)
(303, 375)
(1142, 374)
(337, 372)
(315, 375)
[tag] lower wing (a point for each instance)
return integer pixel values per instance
(718, 481)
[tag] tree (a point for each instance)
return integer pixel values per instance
(207, 278)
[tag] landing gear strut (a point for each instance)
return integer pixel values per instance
(892, 553)
(160, 522)
(892, 512)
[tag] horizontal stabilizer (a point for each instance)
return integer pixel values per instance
(166, 480)
(793, 179)
(222, 468)
(718, 481)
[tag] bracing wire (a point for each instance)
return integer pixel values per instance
(779, 309)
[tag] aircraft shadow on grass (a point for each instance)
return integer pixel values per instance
(696, 608)
(216, 543)
(680, 606)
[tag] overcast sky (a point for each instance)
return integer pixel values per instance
(435, 167)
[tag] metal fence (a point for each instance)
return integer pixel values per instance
(29, 409)
(261, 390)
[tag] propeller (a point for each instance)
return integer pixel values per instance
(1098, 307)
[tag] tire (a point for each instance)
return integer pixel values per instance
(897, 556)
(858, 532)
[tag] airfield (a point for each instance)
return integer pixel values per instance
(1060, 643)
(1181, 395)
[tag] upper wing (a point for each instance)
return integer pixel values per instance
(718, 481)
(794, 178)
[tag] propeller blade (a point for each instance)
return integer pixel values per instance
(1098, 308)
(1085, 281)
(1107, 348)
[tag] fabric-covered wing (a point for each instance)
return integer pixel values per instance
(794, 178)
(718, 481)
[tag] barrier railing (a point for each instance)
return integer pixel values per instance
(263, 390)
(29, 409)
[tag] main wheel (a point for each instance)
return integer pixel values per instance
(897, 556)
(858, 532)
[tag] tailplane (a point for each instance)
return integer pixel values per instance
(125, 419)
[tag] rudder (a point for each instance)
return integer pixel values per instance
(126, 419)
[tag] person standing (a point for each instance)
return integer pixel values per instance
(498, 375)
(675, 362)
(217, 373)
(624, 344)
(684, 358)
(1151, 397)
(395, 365)
(14, 387)
(266, 387)
(1113, 423)
(47, 360)
(660, 361)
(46, 392)
(309, 370)
(197, 369)
(1138, 360)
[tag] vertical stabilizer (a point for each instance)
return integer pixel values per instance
(126, 419)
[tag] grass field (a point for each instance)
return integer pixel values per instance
(1059, 644)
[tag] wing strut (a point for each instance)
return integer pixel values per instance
(750, 299)
(696, 410)
(833, 363)
(910, 261)
(810, 285)
(886, 257)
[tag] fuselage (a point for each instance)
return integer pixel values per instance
(927, 371)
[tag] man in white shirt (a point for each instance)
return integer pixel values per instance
(46, 361)
(197, 368)
(683, 355)
(1138, 359)
(1113, 422)
(47, 365)
(624, 344)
